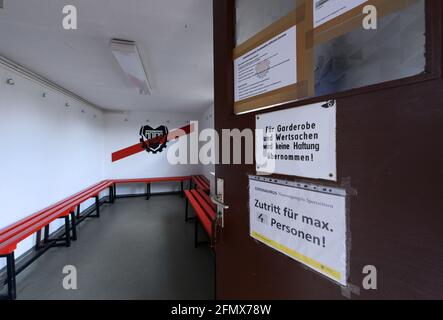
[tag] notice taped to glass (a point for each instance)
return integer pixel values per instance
(299, 142)
(269, 67)
(305, 223)
(326, 10)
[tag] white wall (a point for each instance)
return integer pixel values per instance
(48, 151)
(120, 134)
(207, 122)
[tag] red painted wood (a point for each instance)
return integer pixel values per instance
(10, 244)
(210, 212)
(12, 235)
(205, 197)
(152, 180)
(201, 183)
(49, 210)
(200, 212)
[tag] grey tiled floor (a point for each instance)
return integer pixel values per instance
(138, 249)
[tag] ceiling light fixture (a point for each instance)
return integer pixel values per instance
(128, 57)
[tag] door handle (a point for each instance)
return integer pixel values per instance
(221, 207)
(216, 200)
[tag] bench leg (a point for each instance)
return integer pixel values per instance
(67, 232)
(110, 194)
(38, 240)
(78, 212)
(114, 196)
(46, 239)
(10, 267)
(148, 191)
(196, 234)
(74, 226)
(182, 189)
(187, 210)
(97, 206)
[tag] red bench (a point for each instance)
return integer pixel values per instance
(202, 183)
(15, 233)
(149, 181)
(205, 212)
(65, 209)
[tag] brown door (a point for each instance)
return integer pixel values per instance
(389, 149)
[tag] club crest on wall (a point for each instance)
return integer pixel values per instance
(154, 140)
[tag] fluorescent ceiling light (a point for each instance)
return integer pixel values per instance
(129, 59)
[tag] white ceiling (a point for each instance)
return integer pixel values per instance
(174, 38)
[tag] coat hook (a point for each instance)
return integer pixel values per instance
(10, 82)
(67, 105)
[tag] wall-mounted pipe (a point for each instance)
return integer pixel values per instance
(30, 75)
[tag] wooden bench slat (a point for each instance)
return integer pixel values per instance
(201, 214)
(204, 180)
(152, 180)
(89, 195)
(207, 199)
(210, 212)
(201, 184)
(10, 244)
(61, 210)
(55, 206)
(11, 235)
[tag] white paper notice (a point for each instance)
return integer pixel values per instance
(308, 226)
(326, 10)
(298, 142)
(268, 67)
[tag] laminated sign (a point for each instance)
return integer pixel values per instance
(327, 10)
(304, 222)
(268, 67)
(298, 142)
